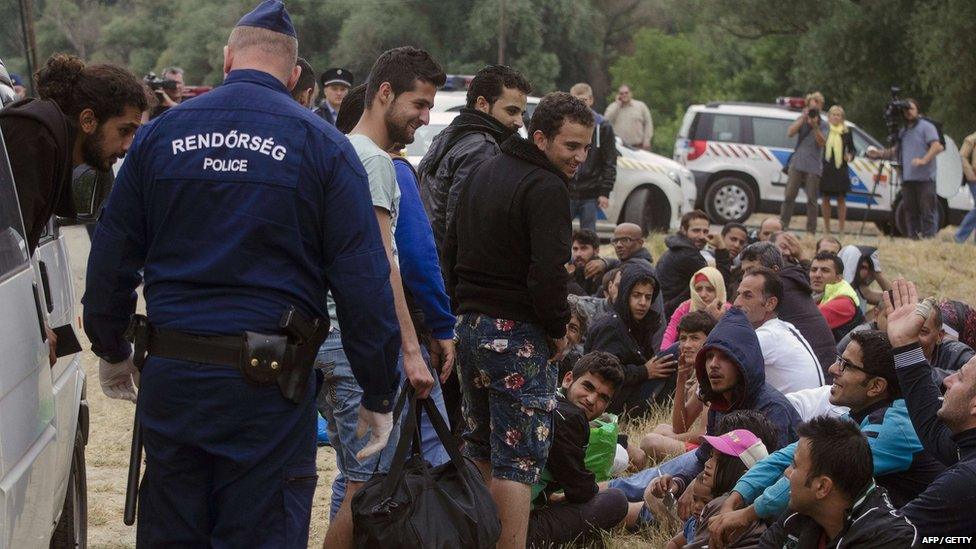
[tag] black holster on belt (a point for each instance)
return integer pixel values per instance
(286, 359)
(305, 338)
(137, 333)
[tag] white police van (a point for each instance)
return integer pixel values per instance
(44, 427)
(651, 190)
(737, 151)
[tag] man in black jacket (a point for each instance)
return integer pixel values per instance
(591, 187)
(505, 255)
(947, 430)
(496, 103)
(686, 255)
(835, 501)
(86, 115)
(581, 511)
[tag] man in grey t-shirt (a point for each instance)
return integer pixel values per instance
(918, 146)
(806, 164)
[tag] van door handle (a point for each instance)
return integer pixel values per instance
(40, 315)
(47, 288)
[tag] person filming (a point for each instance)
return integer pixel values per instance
(916, 148)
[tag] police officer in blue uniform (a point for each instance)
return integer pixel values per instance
(242, 210)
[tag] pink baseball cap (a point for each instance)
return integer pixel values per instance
(740, 443)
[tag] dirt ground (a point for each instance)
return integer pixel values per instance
(940, 267)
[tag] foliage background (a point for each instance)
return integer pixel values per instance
(672, 52)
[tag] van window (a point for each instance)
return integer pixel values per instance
(13, 246)
(718, 127)
(771, 132)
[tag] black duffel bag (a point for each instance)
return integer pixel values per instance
(419, 506)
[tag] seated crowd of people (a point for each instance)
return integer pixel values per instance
(814, 401)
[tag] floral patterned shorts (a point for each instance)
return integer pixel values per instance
(509, 389)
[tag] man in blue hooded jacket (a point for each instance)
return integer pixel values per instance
(731, 375)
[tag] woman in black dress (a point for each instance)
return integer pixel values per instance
(835, 181)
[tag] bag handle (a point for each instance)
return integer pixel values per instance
(444, 434)
(403, 446)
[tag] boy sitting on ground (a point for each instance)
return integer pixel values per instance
(682, 434)
(581, 511)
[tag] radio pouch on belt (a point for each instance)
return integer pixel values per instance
(263, 357)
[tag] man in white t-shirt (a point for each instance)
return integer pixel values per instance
(398, 98)
(790, 362)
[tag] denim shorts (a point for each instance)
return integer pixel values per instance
(509, 389)
(338, 402)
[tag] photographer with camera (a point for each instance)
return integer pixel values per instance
(168, 89)
(806, 162)
(915, 146)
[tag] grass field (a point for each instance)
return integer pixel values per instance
(939, 267)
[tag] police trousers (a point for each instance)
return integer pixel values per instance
(228, 464)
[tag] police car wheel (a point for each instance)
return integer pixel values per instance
(729, 199)
(901, 216)
(72, 528)
(648, 207)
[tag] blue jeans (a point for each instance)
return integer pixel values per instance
(968, 224)
(634, 485)
(338, 401)
(585, 210)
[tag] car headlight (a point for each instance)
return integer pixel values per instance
(673, 176)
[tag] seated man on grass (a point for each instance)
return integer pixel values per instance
(864, 381)
(570, 507)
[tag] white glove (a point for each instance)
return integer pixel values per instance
(378, 425)
(119, 380)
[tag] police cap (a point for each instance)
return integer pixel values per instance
(336, 76)
(271, 15)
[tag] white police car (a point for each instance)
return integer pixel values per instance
(737, 151)
(651, 190)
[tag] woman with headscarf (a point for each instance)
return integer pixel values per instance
(707, 294)
(835, 182)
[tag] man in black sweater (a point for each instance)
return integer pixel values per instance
(948, 431)
(686, 255)
(580, 512)
(505, 255)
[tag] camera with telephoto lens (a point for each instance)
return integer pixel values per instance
(156, 83)
(894, 114)
(813, 113)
